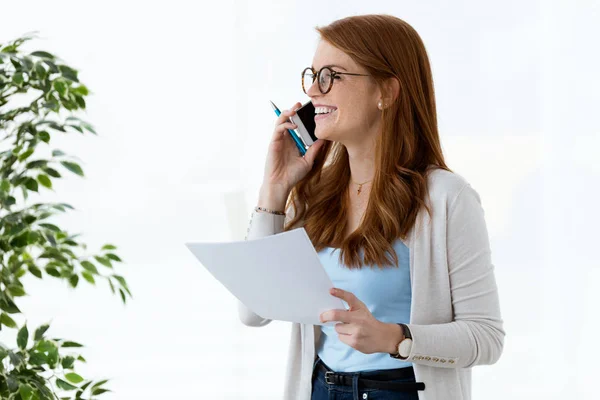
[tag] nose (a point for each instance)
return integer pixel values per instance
(313, 90)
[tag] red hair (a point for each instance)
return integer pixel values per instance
(406, 148)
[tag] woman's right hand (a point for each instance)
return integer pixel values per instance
(285, 166)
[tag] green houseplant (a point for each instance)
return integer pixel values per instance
(40, 97)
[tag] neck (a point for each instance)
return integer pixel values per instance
(362, 164)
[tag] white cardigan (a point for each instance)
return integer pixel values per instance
(455, 316)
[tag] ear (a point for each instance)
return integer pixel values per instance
(392, 90)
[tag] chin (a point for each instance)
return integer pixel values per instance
(330, 134)
(325, 134)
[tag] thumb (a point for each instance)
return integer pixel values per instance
(312, 151)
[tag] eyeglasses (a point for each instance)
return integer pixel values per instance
(325, 78)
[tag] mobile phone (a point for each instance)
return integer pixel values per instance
(305, 119)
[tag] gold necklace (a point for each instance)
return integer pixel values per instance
(359, 185)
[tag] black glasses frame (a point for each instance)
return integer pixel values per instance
(318, 76)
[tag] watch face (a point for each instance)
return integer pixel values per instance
(405, 347)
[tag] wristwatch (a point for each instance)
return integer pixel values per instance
(405, 344)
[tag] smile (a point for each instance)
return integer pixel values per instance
(323, 116)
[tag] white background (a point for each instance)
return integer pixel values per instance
(180, 102)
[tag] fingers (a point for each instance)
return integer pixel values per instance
(312, 151)
(281, 129)
(286, 114)
(283, 123)
(336, 315)
(284, 117)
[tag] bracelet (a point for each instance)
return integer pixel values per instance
(269, 211)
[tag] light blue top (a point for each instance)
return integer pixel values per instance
(387, 294)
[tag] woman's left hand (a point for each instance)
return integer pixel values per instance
(360, 329)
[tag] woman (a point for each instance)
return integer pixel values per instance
(401, 236)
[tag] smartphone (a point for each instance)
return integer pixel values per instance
(305, 119)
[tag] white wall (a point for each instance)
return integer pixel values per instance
(180, 101)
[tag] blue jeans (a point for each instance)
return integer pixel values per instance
(324, 391)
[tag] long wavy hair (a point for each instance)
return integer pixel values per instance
(406, 149)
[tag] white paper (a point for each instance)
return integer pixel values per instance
(279, 277)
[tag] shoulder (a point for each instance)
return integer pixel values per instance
(445, 184)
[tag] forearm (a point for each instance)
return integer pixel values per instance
(457, 344)
(263, 224)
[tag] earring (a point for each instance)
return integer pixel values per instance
(380, 105)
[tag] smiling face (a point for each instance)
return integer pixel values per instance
(356, 116)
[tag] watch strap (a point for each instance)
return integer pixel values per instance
(407, 335)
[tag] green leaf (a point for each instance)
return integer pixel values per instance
(64, 385)
(8, 321)
(27, 64)
(8, 305)
(89, 266)
(45, 346)
(68, 362)
(99, 391)
(99, 383)
(122, 282)
(40, 71)
(109, 247)
(68, 73)
(15, 358)
(39, 332)
(81, 103)
(81, 90)
(71, 344)
(44, 136)
(26, 154)
(37, 358)
(43, 54)
(88, 277)
(18, 78)
(20, 241)
(77, 128)
(73, 167)
(5, 185)
(73, 377)
(122, 293)
(104, 261)
(36, 164)
(52, 271)
(35, 271)
(45, 181)
(58, 153)
(31, 184)
(74, 280)
(52, 357)
(52, 172)
(51, 227)
(12, 384)
(23, 337)
(25, 391)
(53, 68)
(16, 291)
(88, 127)
(60, 87)
(56, 126)
(113, 257)
(16, 64)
